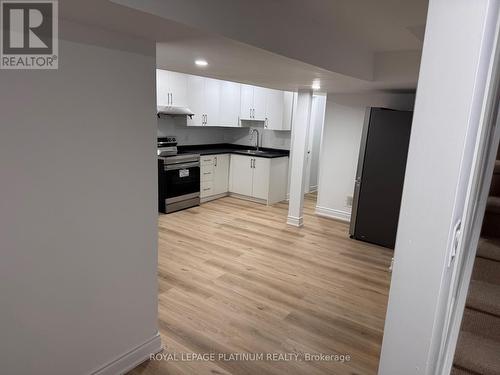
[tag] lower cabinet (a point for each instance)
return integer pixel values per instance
(214, 176)
(241, 175)
(262, 179)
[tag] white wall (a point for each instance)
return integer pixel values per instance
(196, 135)
(342, 130)
(269, 138)
(339, 158)
(78, 210)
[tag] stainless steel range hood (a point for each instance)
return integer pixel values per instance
(169, 110)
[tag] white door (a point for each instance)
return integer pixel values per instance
(162, 93)
(246, 111)
(196, 100)
(221, 174)
(274, 110)
(288, 100)
(312, 122)
(212, 101)
(260, 183)
(241, 175)
(259, 103)
(177, 86)
(230, 104)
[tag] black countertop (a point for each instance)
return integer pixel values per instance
(226, 148)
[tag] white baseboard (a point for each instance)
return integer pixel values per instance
(247, 198)
(295, 221)
(333, 214)
(133, 358)
(213, 197)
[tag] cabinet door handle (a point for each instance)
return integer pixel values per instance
(215, 159)
(172, 98)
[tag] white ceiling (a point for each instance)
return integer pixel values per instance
(351, 45)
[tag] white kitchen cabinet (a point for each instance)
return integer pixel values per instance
(178, 89)
(288, 108)
(171, 88)
(212, 101)
(223, 103)
(274, 109)
(221, 174)
(262, 180)
(279, 110)
(259, 103)
(162, 92)
(246, 102)
(261, 175)
(196, 100)
(214, 179)
(230, 104)
(253, 103)
(241, 175)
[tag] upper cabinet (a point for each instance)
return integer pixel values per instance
(289, 105)
(253, 103)
(230, 103)
(274, 110)
(222, 103)
(171, 88)
(214, 102)
(279, 110)
(196, 100)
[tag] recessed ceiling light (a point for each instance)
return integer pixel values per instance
(201, 62)
(316, 85)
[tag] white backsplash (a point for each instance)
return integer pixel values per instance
(194, 135)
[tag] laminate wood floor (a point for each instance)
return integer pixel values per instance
(234, 278)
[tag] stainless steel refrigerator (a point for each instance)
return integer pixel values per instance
(380, 176)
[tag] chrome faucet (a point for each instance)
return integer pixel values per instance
(252, 132)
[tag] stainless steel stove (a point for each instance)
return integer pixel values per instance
(178, 177)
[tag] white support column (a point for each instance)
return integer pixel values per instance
(300, 139)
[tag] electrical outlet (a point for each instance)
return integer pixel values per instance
(348, 201)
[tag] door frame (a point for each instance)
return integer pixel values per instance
(478, 191)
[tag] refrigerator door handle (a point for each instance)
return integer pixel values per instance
(359, 172)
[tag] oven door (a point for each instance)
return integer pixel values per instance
(182, 181)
